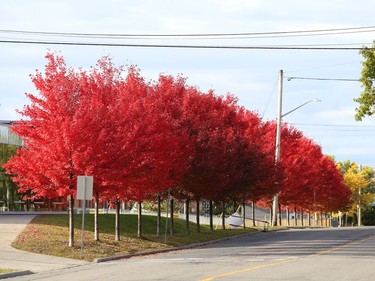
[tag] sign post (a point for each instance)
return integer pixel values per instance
(84, 192)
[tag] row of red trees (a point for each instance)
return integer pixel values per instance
(139, 139)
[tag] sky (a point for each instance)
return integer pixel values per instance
(251, 74)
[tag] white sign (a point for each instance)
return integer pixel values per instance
(84, 192)
(84, 187)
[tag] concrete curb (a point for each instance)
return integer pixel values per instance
(190, 246)
(15, 274)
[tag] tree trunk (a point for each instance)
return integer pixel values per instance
(166, 218)
(211, 216)
(8, 199)
(158, 219)
(309, 215)
(139, 219)
(96, 217)
(223, 216)
(295, 216)
(198, 223)
(187, 211)
(330, 219)
(117, 221)
(71, 221)
(172, 218)
(346, 218)
(287, 216)
(271, 216)
(279, 212)
(302, 217)
(253, 212)
(244, 215)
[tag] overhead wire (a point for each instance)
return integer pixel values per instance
(314, 32)
(269, 99)
(205, 36)
(320, 67)
(236, 47)
(289, 78)
(335, 125)
(339, 128)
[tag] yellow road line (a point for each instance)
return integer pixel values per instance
(285, 261)
(248, 269)
(341, 247)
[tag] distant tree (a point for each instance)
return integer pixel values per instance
(308, 177)
(360, 184)
(332, 193)
(344, 166)
(300, 176)
(369, 174)
(8, 190)
(367, 98)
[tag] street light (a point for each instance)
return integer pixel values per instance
(280, 115)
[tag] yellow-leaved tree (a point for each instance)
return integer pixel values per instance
(358, 181)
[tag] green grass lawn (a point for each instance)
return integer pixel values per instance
(49, 234)
(5, 270)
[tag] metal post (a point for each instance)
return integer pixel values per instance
(83, 217)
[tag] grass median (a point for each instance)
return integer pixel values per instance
(49, 235)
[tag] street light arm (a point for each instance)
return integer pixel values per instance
(314, 100)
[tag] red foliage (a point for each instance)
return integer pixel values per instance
(46, 133)
(308, 176)
(138, 139)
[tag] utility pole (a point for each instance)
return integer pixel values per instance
(280, 115)
(275, 202)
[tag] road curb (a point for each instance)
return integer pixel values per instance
(185, 247)
(15, 274)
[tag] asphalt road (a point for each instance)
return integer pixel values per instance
(314, 254)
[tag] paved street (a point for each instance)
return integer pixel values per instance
(315, 254)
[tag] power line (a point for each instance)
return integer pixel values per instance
(339, 128)
(330, 130)
(335, 125)
(206, 36)
(320, 67)
(313, 32)
(254, 47)
(321, 79)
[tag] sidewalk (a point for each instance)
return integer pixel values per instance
(10, 226)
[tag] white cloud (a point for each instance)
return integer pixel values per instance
(236, 5)
(183, 25)
(341, 114)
